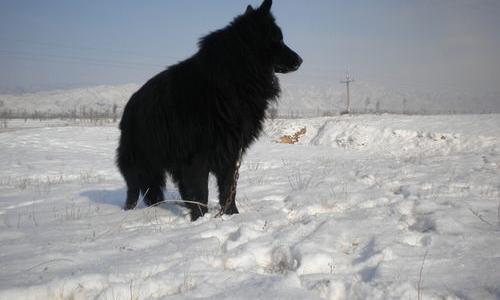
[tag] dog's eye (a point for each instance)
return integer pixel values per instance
(278, 38)
(278, 43)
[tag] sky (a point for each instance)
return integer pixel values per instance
(424, 45)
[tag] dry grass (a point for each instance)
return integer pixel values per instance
(300, 182)
(294, 138)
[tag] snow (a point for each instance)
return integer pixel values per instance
(363, 207)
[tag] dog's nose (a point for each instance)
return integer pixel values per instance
(299, 61)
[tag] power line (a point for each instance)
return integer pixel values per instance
(48, 60)
(77, 59)
(59, 45)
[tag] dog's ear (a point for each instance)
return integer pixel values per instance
(249, 9)
(266, 6)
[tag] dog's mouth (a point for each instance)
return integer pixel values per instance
(288, 68)
(285, 69)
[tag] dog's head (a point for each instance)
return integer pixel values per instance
(267, 39)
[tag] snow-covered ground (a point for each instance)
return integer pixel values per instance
(363, 207)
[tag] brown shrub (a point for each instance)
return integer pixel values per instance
(293, 139)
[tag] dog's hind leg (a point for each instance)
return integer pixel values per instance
(192, 181)
(152, 184)
(126, 164)
(149, 184)
(131, 179)
(132, 198)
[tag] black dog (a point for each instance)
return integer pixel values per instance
(200, 115)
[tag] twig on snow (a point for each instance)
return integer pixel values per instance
(419, 287)
(479, 216)
(48, 262)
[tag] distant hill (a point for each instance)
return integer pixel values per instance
(99, 99)
(370, 98)
(295, 101)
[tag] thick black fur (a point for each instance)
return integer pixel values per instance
(195, 117)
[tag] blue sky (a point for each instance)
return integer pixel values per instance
(416, 44)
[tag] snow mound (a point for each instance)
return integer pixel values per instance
(363, 133)
(347, 135)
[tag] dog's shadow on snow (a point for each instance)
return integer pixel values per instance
(117, 198)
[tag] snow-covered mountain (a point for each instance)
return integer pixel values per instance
(100, 99)
(303, 100)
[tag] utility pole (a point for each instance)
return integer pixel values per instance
(347, 81)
